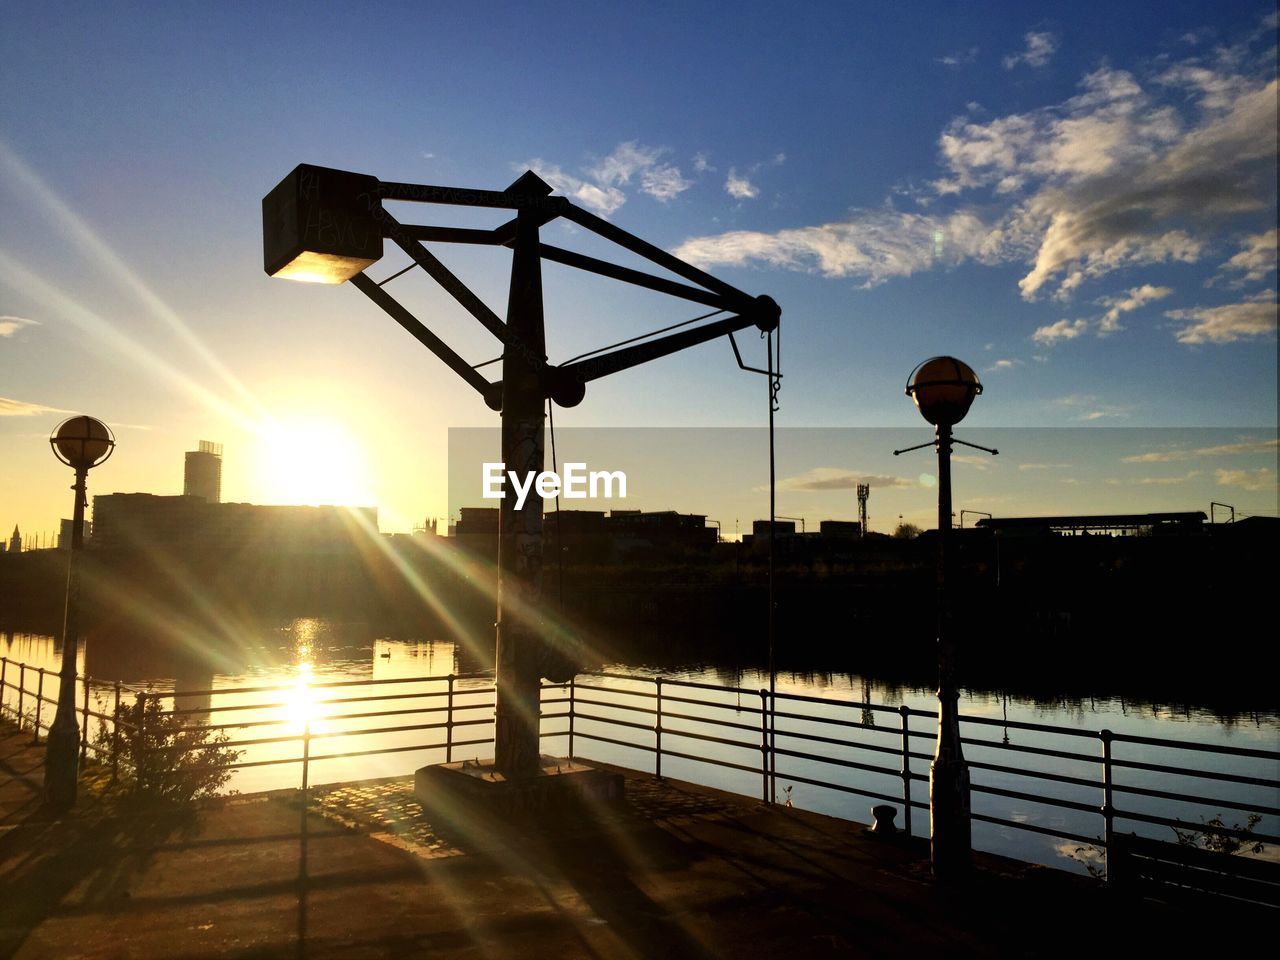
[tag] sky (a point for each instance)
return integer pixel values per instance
(1079, 202)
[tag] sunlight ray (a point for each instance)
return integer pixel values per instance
(32, 285)
(88, 241)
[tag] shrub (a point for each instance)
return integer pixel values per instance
(167, 757)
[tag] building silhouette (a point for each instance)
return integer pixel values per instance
(65, 533)
(188, 526)
(202, 474)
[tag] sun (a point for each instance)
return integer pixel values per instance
(313, 461)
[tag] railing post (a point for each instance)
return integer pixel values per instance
(905, 713)
(657, 733)
(115, 737)
(448, 725)
(84, 726)
(141, 754)
(764, 745)
(4, 682)
(22, 690)
(573, 689)
(306, 759)
(39, 702)
(1108, 810)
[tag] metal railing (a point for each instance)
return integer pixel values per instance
(816, 741)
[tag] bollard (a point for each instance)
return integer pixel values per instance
(882, 817)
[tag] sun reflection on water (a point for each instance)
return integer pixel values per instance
(304, 707)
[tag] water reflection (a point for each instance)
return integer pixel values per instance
(303, 712)
(298, 657)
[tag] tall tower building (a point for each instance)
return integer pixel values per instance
(202, 476)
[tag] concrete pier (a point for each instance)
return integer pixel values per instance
(668, 869)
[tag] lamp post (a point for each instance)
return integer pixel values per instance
(943, 388)
(81, 443)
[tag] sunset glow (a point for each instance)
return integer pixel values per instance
(313, 460)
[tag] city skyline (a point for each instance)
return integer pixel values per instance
(1081, 207)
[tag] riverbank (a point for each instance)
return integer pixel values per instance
(673, 870)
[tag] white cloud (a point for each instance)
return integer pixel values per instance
(1062, 330)
(702, 162)
(873, 245)
(1133, 170)
(21, 408)
(1222, 450)
(837, 478)
(1041, 46)
(602, 200)
(1043, 466)
(663, 182)
(1257, 257)
(958, 59)
(1007, 364)
(1226, 323)
(1255, 481)
(1091, 407)
(1119, 178)
(9, 324)
(1148, 187)
(1106, 324)
(740, 188)
(601, 187)
(1135, 298)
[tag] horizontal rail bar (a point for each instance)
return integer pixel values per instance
(836, 721)
(621, 743)
(1193, 798)
(895, 772)
(1194, 827)
(1036, 828)
(1196, 745)
(844, 788)
(856, 704)
(1036, 727)
(873, 747)
(731, 724)
(1036, 798)
(1037, 774)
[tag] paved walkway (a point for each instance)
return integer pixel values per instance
(673, 871)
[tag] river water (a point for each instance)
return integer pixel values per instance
(296, 660)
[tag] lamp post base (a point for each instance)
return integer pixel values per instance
(61, 765)
(950, 829)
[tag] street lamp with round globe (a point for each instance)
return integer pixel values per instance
(943, 388)
(81, 443)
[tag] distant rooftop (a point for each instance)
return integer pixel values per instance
(1109, 521)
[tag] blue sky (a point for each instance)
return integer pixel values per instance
(1078, 201)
